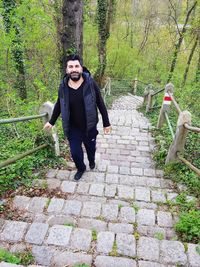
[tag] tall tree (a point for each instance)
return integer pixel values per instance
(180, 40)
(105, 11)
(72, 29)
(197, 78)
(17, 49)
(189, 61)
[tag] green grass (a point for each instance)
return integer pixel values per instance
(24, 258)
(94, 235)
(159, 236)
(114, 252)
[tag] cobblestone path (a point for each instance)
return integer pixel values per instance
(114, 216)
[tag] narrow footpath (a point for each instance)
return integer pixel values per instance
(114, 216)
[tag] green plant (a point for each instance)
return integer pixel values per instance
(81, 265)
(69, 224)
(100, 217)
(47, 203)
(2, 208)
(24, 258)
(188, 227)
(135, 207)
(114, 252)
(94, 235)
(184, 204)
(8, 257)
(120, 206)
(136, 235)
(159, 236)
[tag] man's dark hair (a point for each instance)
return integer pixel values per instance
(74, 57)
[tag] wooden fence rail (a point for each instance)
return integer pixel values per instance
(45, 114)
(183, 123)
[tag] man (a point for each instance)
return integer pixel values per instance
(78, 99)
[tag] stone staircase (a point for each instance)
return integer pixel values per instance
(115, 216)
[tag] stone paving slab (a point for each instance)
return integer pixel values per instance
(193, 256)
(36, 233)
(148, 249)
(172, 252)
(126, 245)
(59, 235)
(106, 261)
(37, 204)
(55, 205)
(105, 241)
(5, 264)
(13, 231)
(43, 254)
(66, 258)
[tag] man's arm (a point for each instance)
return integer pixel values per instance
(102, 108)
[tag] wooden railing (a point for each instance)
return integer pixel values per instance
(183, 123)
(106, 89)
(45, 114)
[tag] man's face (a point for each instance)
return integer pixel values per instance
(74, 70)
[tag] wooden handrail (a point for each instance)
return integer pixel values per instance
(159, 91)
(45, 113)
(192, 167)
(12, 120)
(191, 128)
(21, 156)
(175, 103)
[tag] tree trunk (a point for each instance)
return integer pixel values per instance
(72, 30)
(57, 5)
(197, 78)
(17, 48)
(178, 45)
(189, 61)
(104, 17)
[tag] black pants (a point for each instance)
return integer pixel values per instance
(76, 139)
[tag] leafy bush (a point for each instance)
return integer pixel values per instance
(188, 227)
(22, 171)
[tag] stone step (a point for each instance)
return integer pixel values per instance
(110, 175)
(111, 186)
(116, 216)
(57, 246)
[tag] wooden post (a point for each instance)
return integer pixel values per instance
(135, 86)
(180, 136)
(166, 104)
(149, 100)
(109, 85)
(146, 93)
(147, 90)
(47, 107)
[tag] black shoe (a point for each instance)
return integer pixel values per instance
(78, 175)
(92, 165)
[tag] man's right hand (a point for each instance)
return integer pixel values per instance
(47, 126)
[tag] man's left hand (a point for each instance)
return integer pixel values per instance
(107, 130)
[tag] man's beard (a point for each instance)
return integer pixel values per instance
(75, 76)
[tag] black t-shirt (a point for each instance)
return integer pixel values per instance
(77, 109)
